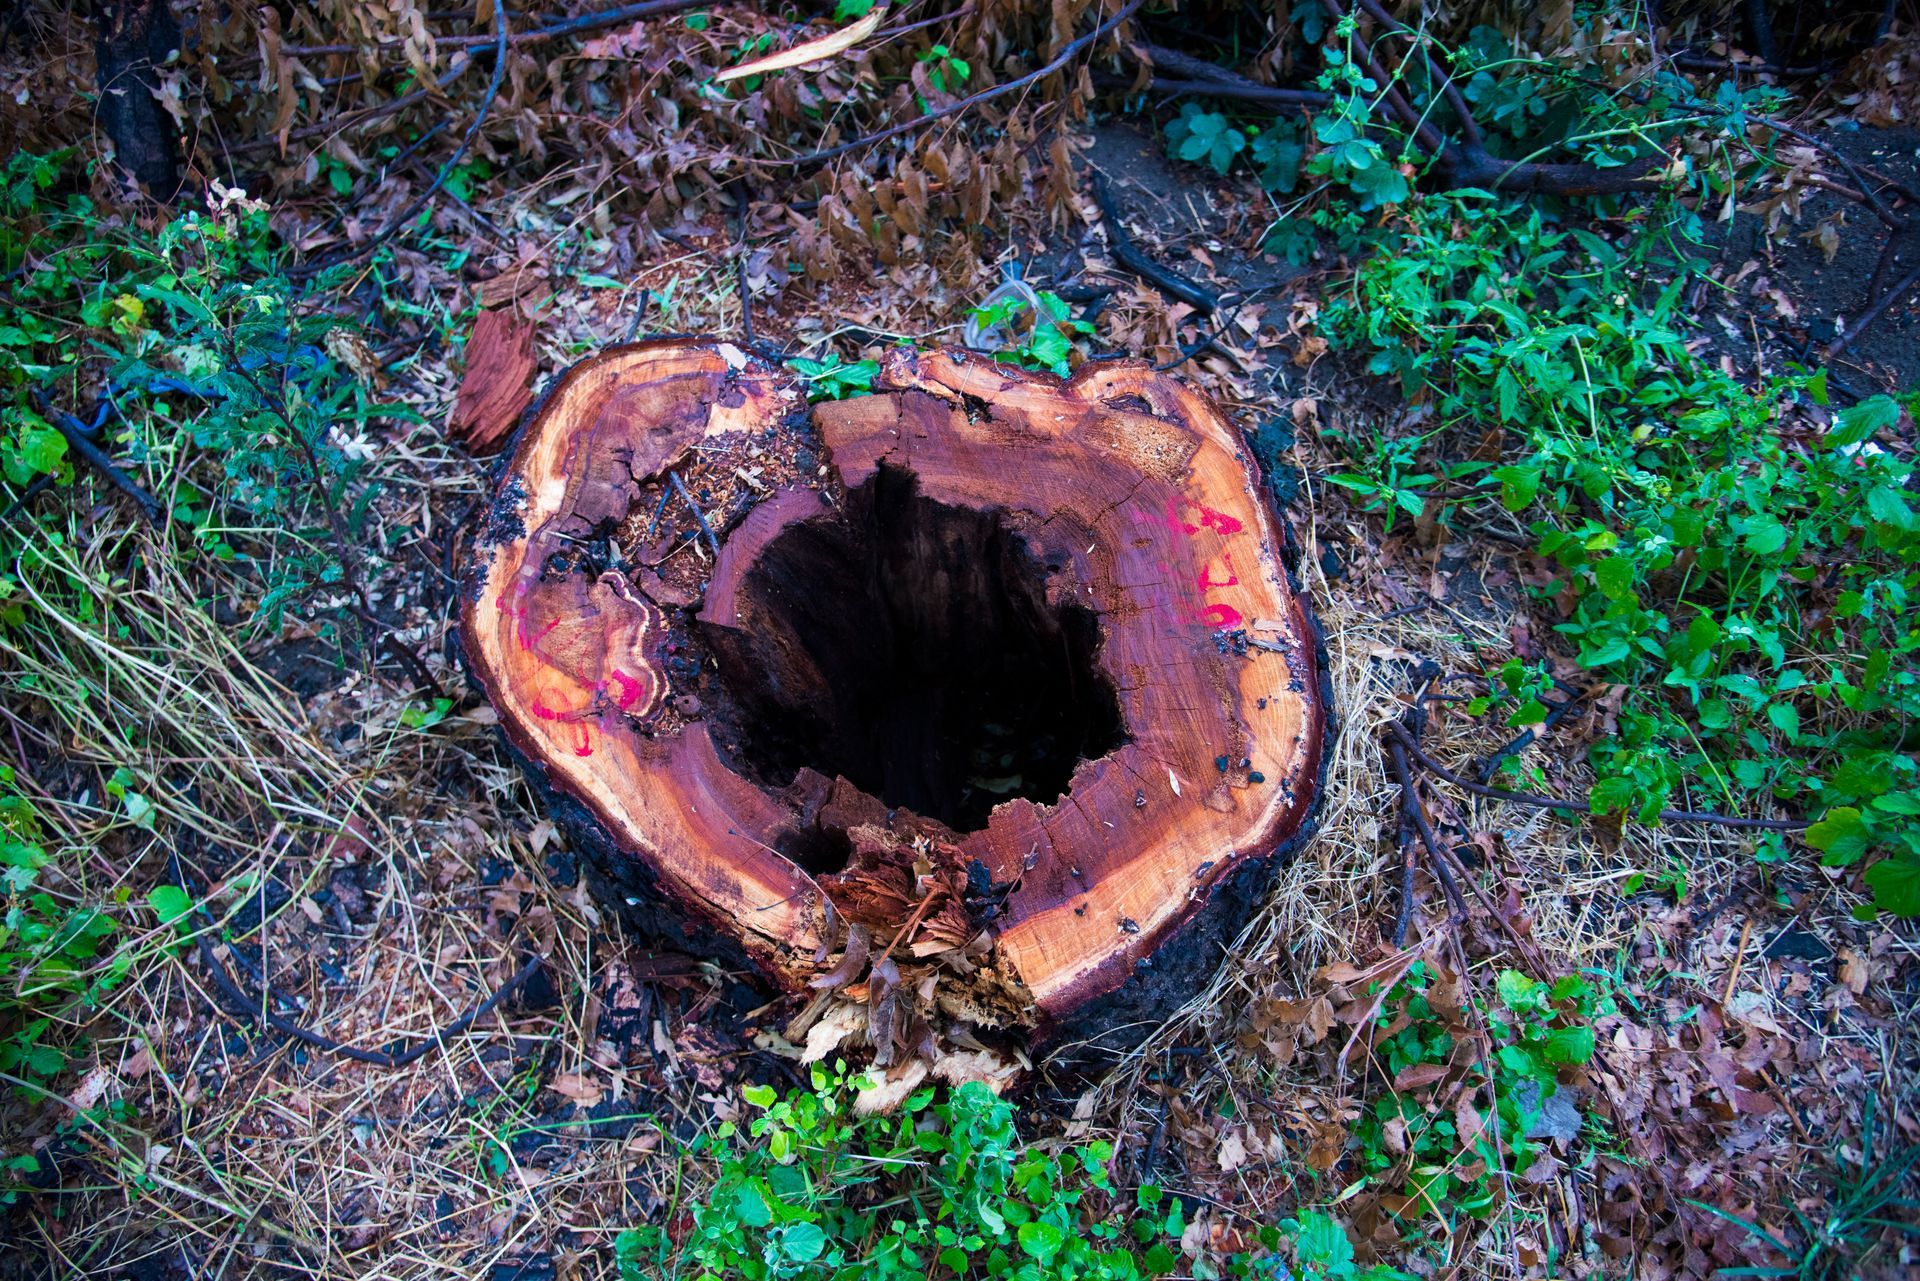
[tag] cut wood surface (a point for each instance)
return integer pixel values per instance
(989, 717)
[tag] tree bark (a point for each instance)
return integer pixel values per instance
(137, 37)
(989, 719)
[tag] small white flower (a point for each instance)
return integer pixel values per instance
(356, 447)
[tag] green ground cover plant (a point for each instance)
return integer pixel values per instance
(1739, 554)
(1736, 549)
(811, 1189)
(1479, 1088)
(205, 373)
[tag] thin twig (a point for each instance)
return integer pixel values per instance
(571, 27)
(633, 330)
(1065, 56)
(1581, 807)
(699, 518)
(1526, 738)
(419, 202)
(1872, 314)
(1872, 198)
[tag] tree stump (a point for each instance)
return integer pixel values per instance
(979, 707)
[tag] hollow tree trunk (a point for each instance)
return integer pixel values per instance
(988, 720)
(136, 37)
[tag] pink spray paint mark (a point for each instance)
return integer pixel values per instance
(1219, 522)
(1225, 617)
(1207, 580)
(631, 687)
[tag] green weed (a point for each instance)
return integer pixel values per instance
(214, 380)
(1747, 577)
(1450, 1161)
(833, 379)
(1047, 341)
(811, 1190)
(1865, 1206)
(945, 73)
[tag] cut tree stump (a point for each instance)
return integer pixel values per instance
(986, 723)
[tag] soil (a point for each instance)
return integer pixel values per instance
(1814, 278)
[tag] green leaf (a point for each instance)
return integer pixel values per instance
(803, 1241)
(1572, 1045)
(1041, 1240)
(1320, 1243)
(1856, 423)
(169, 902)
(1763, 534)
(1841, 835)
(42, 450)
(1518, 485)
(752, 1207)
(1896, 885)
(1518, 992)
(1614, 577)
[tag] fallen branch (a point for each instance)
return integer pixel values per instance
(1582, 807)
(1872, 314)
(256, 1012)
(78, 440)
(1060, 60)
(1128, 256)
(1198, 76)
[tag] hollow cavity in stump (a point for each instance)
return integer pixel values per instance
(987, 720)
(910, 648)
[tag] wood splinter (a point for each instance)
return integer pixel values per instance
(983, 729)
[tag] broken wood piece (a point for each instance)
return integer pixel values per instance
(963, 724)
(498, 384)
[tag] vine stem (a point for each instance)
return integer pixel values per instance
(1399, 732)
